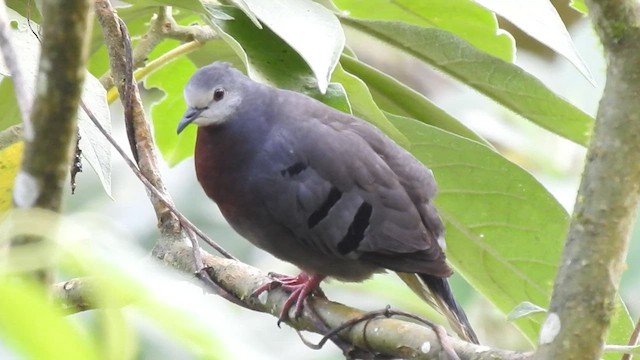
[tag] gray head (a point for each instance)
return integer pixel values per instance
(212, 95)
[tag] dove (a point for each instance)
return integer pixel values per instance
(318, 188)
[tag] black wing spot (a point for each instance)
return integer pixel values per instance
(356, 230)
(294, 169)
(323, 210)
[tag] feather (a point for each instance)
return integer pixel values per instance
(436, 292)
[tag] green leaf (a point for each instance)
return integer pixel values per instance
(8, 104)
(242, 5)
(621, 326)
(580, 6)
(30, 324)
(268, 59)
(166, 113)
(172, 78)
(137, 17)
(119, 340)
(463, 18)
(524, 309)
(121, 278)
(337, 98)
(393, 96)
(540, 20)
(26, 9)
(96, 150)
(503, 227)
(309, 28)
(506, 83)
(505, 231)
(363, 105)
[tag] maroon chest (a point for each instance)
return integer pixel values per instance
(223, 167)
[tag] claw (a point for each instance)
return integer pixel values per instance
(301, 287)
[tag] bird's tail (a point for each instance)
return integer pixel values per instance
(436, 291)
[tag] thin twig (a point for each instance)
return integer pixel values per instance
(114, 35)
(162, 60)
(128, 90)
(33, 31)
(348, 349)
(163, 26)
(183, 220)
(202, 274)
(387, 312)
(76, 163)
(633, 340)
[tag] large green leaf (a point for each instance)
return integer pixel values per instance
(309, 28)
(27, 9)
(137, 16)
(34, 327)
(504, 82)
(463, 18)
(268, 59)
(363, 105)
(114, 274)
(579, 6)
(122, 278)
(8, 105)
(96, 150)
(505, 231)
(540, 20)
(264, 55)
(393, 96)
(166, 113)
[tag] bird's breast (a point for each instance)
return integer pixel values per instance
(223, 164)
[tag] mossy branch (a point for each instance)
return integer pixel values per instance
(593, 259)
(50, 135)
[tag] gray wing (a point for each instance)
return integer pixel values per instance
(345, 190)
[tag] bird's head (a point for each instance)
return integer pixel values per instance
(213, 94)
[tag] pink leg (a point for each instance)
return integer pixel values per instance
(300, 286)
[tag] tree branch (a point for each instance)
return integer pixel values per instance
(593, 257)
(10, 136)
(74, 295)
(389, 336)
(162, 26)
(143, 145)
(47, 153)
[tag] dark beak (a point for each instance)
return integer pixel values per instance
(189, 117)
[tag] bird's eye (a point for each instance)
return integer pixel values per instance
(218, 94)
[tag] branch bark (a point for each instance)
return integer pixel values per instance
(48, 147)
(392, 337)
(593, 257)
(143, 145)
(10, 136)
(162, 26)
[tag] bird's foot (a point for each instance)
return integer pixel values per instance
(301, 287)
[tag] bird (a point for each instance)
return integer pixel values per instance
(318, 188)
